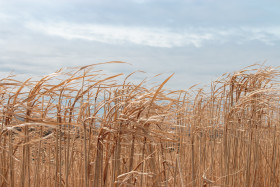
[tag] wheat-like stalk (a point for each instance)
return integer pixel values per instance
(80, 127)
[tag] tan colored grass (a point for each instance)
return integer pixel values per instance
(79, 127)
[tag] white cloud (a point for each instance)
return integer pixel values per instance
(267, 35)
(155, 37)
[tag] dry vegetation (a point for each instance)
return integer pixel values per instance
(78, 127)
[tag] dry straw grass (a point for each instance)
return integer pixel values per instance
(78, 127)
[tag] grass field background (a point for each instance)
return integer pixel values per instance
(80, 127)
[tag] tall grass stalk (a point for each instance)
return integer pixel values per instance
(81, 127)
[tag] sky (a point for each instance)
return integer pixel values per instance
(198, 40)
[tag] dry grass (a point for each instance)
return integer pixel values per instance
(78, 127)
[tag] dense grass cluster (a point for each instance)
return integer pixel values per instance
(79, 127)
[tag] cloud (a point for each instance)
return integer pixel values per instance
(156, 37)
(267, 35)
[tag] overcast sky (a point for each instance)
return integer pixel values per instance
(198, 40)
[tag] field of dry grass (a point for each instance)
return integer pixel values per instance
(79, 127)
